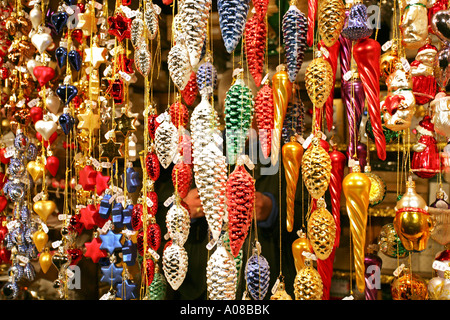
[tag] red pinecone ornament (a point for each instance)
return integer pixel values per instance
(152, 125)
(153, 196)
(255, 46)
(189, 94)
(136, 217)
(182, 178)
(264, 117)
(240, 194)
(261, 7)
(154, 235)
(152, 166)
(185, 148)
(179, 114)
(149, 270)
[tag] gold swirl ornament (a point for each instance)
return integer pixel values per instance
(308, 284)
(319, 80)
(321, 231)
(377, 187)
(282, 91)
(316, 168)
(331, 17)
(356, 188)
(412, 221)
(292, 153)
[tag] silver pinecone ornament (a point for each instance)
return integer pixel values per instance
(175, 264)
(166, 142)
(179, 64)
(221, 275)
(178, 223)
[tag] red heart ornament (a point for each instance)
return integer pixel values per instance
(77, 35)
(52, 165)
(75, 254)
(3, 203)
(43, 74)
(3, 159)
(36, 114)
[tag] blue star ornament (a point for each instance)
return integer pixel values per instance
(111, 241)
(111, 274)
(126, 290)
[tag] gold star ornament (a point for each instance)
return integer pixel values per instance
(111, 150)
(125, 124)
(89, 121)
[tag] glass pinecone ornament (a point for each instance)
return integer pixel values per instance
(257, 275)
(295, 118)
(137, 30)
(239, 110)
(175, 264)
(255, 46)
(153, 234)
(321, 231)
(178, 223)
(261, 7)
(151, 20)
(240, 199)
(194, 27)
(221, 275)
(166, 142)
(264, 117)
(319, 80)
(331, 18)
(189, 94)
(316, 168)
(295, 28)
(149, 269)
(179, 64)
(206, 78)
(232, 18)
(308, 283)
(142, 59)
(182, 178)
(158, 287)
(152, 166)
(179, 114)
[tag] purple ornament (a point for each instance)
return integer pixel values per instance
(353, 98)
(357, 28)
(345, 51)
(361, 151)
(372, 263)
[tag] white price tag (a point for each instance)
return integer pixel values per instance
(237, 71)
(153, 253)
(347, 76)
(44, 227)
(161, 117)
(38, 197)
(211, 245)
(169, 201)
(12, 224)
(98, 6)
(33, 102)
(399, 270)
(405, 64)
(106, 165)
(105, 227)
(387, 45)
(440, 266)
(120, 199)
(111, 200)
(265, 78)
(149, 202)
(325, 52)
(348, 298)
(125, 76)
(275, 286)
(56, 244)
(9, 153)
(309, 255)
(70, 273)
(218, 139)
(23, 259)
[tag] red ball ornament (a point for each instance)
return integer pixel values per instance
(255, 46)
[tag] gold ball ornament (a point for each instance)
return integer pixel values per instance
(44, 208)
(316, 168)
(319, 80)
(308, 284)
(300, 245)
(280, 293)
(331, 18)
(292, 153)
(377, 187)
(321, 231)
(409, 286)
(45, 260)
(412, 221)
(356, 188)
(40, 239)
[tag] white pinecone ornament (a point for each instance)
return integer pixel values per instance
(221, 275)
(166, 142)
(179, 64)
(151, 20)
(178, 223)
(175, 264)
(137, 30)
(142, 59)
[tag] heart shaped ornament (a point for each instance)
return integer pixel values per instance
(66, 93)
(43, 74)
(52, 165)
(41, 41)
(440, 24)
(53, 103)
(44, 208)
(40, 239)
(31, 64)
(46, 127)
(35, 169)
(36, 114)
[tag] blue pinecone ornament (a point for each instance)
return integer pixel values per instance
(232, 18)
(295, 27)
(206, 78)
(257, 275)
(294, 120)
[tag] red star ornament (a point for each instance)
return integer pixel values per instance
(93, 250)
(87, 178)
(120, 27)
(101, 183)
(125, 64)
(88, 216)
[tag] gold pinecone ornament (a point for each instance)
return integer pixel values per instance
(308, 284)
(319, 80)
(316, 168)
(331, 18)
(321, 230)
